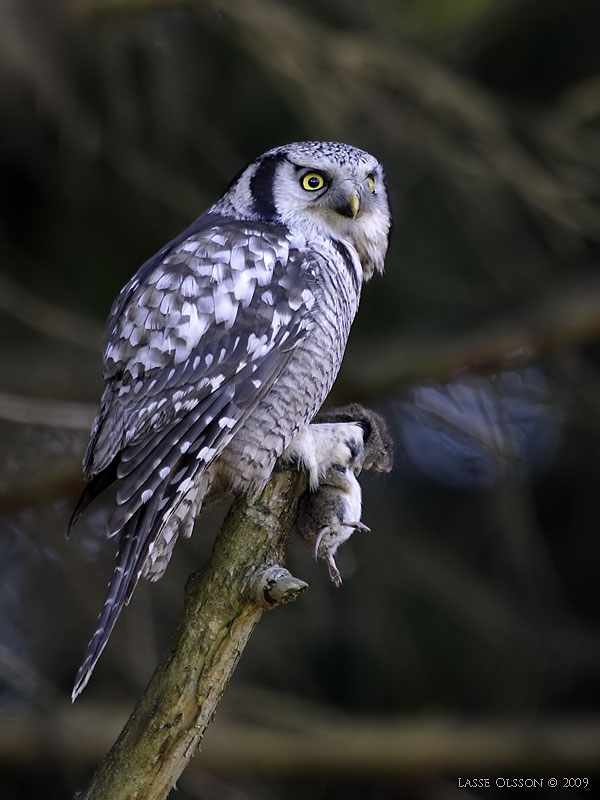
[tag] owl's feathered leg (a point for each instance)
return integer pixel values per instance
(321, 445)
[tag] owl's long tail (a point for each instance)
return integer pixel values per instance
(146, 542)
(132, 550)
(149, 528)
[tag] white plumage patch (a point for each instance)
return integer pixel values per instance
(320, 445)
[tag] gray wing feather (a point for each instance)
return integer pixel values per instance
(214, 303)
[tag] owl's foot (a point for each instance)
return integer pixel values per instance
(325, 445)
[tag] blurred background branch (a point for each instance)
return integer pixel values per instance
(49, 413)
(48, 318)
(400, 749)
(554, 322)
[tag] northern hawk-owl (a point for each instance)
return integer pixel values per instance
(222, 348)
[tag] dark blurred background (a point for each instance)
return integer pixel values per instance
(464, 640)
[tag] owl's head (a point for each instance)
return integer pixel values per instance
(318, 188)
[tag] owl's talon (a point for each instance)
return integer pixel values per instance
(324, 446)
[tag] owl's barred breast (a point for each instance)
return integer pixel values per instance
(301, 389)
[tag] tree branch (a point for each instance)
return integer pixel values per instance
(332, 69)
(223, 603)
(565, 317)
(48, 413)
(48, 318)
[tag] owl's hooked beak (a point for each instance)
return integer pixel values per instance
(354, 203)
(351, 206)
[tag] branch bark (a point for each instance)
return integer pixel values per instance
(223, 603)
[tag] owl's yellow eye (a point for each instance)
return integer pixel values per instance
(313, 181)
(371, 182)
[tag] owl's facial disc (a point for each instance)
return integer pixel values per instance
(351, 205)
(322, 189)
(334, 190)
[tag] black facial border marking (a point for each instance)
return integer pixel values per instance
(261, 186)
